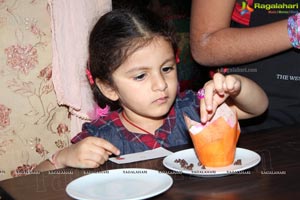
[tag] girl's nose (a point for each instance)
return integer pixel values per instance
(159, 83)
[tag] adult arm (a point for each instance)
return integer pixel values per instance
(214, 43)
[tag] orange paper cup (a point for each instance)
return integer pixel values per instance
(215, 145)
(215, 142)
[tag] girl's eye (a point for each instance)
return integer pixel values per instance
(167, 69)
(139, 77)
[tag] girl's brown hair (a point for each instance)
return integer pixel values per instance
(117, 35)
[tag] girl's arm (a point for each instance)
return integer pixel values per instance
(91, 152)
(214, 43)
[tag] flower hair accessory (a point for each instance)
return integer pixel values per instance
(101, 112)
(98, 112)
(89, 76)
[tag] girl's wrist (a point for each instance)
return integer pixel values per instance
(54, 161)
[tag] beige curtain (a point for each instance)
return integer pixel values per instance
(32, 123)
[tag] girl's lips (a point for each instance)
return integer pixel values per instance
(162, 100)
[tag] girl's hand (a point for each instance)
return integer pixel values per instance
(217, 91)
(91, 152)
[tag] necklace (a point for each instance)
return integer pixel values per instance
(136, 126)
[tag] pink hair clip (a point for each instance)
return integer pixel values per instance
(89, 76)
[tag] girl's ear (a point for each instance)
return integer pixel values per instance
(108, 91)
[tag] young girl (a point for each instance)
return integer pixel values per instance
(133, 71)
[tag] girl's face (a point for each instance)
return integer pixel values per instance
(146, 83)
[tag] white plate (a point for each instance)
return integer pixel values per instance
(248, 159)
(126, 183)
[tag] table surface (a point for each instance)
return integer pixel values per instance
(277, 176)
